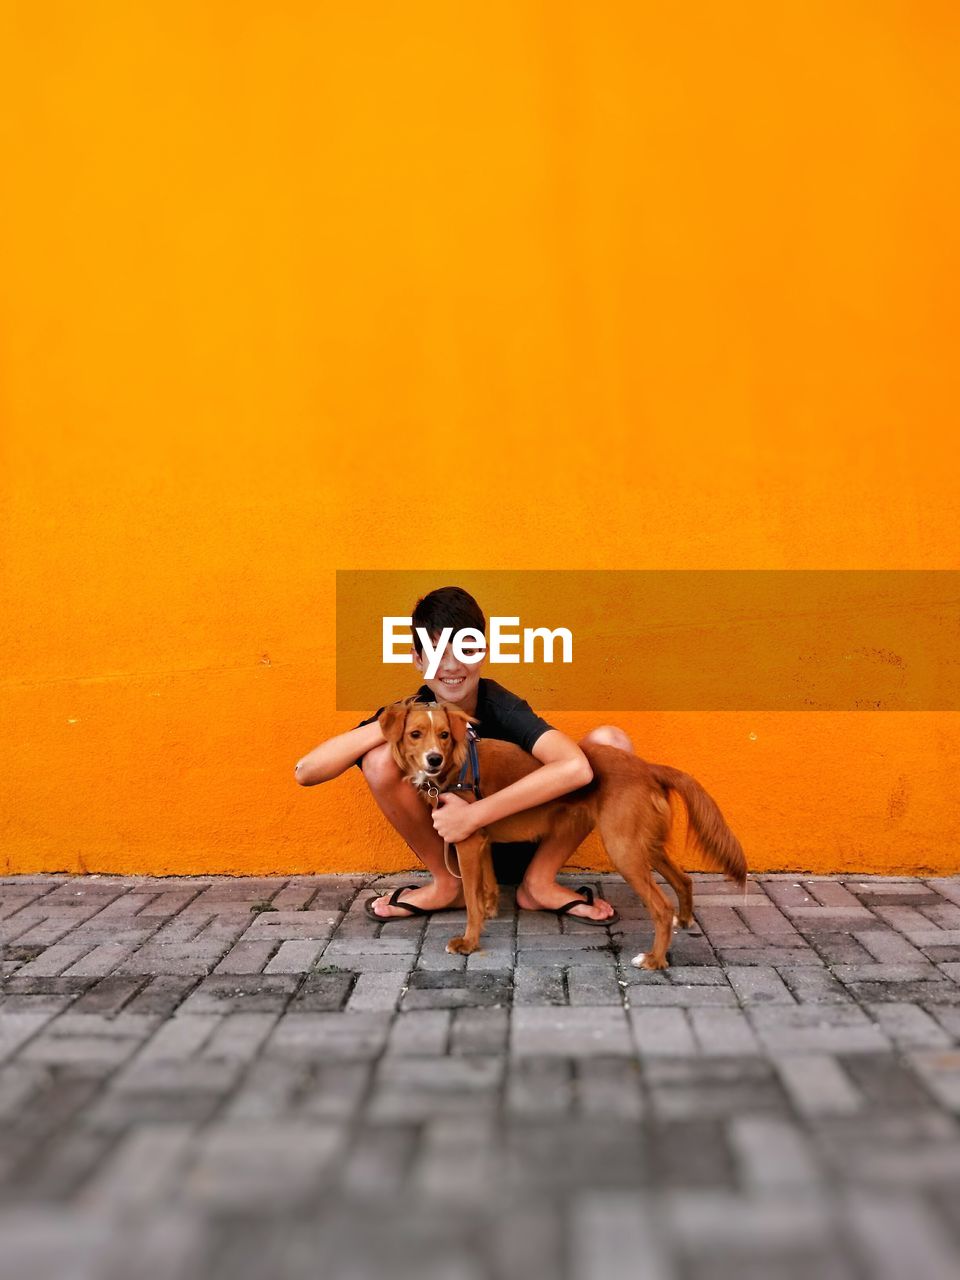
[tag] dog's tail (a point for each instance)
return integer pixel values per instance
(715, 838)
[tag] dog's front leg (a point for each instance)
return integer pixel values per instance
(471, 853)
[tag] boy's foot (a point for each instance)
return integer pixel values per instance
(551, 896)
(430, 898)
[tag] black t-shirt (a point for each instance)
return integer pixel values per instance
(501, 715)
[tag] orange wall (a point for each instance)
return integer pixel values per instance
(302, 286)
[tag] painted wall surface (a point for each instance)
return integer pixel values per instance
(301, 286)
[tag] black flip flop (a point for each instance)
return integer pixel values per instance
(407, 906)
(586, 900)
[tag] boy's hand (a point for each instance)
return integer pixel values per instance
(452, 819)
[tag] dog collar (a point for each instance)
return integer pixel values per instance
(470, 766)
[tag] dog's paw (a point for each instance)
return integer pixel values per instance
(460, 947)
(645, 961)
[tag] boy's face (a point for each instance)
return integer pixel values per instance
(455, 681)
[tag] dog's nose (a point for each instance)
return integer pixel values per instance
(433, 759)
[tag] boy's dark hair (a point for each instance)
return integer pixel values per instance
(446, 607)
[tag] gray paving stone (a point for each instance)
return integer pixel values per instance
(269, 1089)
(102, 960)
(773, 1155)
(175, 958)
(246, 957)
(480, 1031)
(421, 1031)
(109, 995)
(929, 992)
(836, 946)
(692, 975)
(377, 991)
(540, 1086)
(142, 1169)
(889, 947)
(792, 957)
(162, 994)
(534, 986)
(816, 1029)
(593, 986)
(607, 1230)
(758, 984)
(898, 1235)
(17, 1029)
(670, 994)
(906, 1025)
(886, 1082)
(710, 1087)
(659, 1032)
(569, 1032)
(323, 991)
(322, 1036)
(362, 1103)
(54, 960)
(454, 990)
(850, 973)
(379, 1162)
(582, 1154)
(723, 1031)
(235, 993)
(335, 1090)
(458, 1160)
(411, 1088)
(609, 1087)
(939, 1069)
(817, 1084)
(811, 985)
(948, 1017)
(714, 1221)
(260, 1165)
(238, 1037)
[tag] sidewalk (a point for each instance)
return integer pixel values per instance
(192, 1085)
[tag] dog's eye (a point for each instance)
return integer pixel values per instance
(444, 734)
(415, 733)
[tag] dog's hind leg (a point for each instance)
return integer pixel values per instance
(489, 889)
(681, 884)
(661, 912)
(473, 853)
(633, 838)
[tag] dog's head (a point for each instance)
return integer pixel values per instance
(429, 740)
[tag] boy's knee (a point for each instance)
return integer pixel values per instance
(379, 767)
(608, 735)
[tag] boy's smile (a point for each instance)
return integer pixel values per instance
(455, 681)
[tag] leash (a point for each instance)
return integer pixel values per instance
(470, 765)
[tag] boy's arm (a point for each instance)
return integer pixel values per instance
(565, 768)
(336, 755)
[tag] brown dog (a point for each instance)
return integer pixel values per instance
(626, 799)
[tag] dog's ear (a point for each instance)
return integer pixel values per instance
(393, 719)
(458, 721)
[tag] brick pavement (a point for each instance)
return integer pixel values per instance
(235, 1078)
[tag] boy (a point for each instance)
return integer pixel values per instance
(502, 715)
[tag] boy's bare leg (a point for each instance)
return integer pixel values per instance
(539, 888)
(411, 818)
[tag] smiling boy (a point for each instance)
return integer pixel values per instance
(501, 714)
